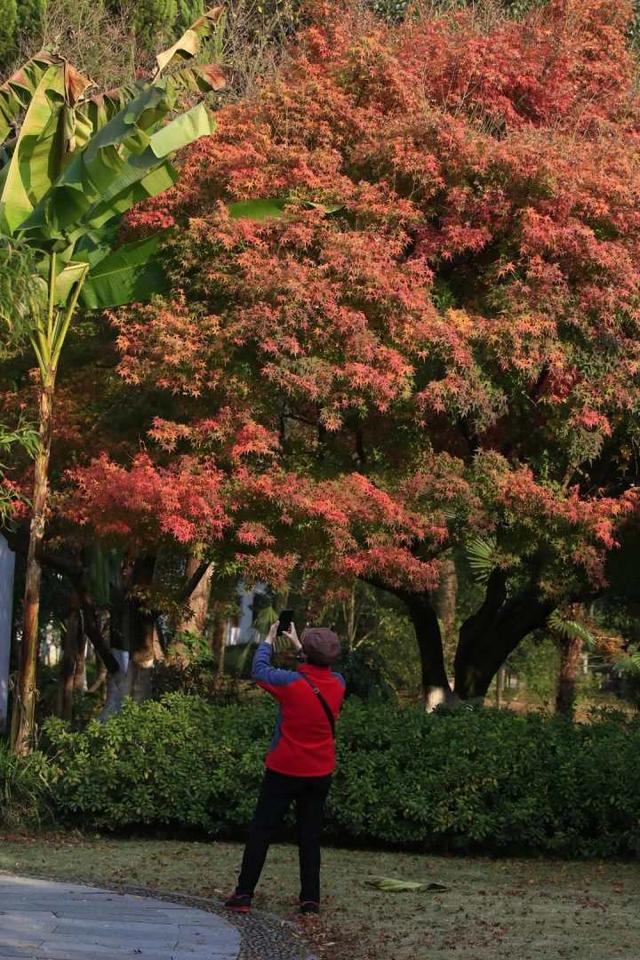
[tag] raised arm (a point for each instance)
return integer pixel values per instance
(270, 678)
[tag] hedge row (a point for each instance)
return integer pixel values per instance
(482, 780)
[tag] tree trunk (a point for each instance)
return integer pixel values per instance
(68, 660)
(500, 682)
(490, 635)
(219, 636)
(101, 677)
(351, 619)
(445, 600)
(570, 652)
(142, 641)
(93, 630)
(23, 719)
(80, 679)
(196, 620)
(435, 683)
(141, 663)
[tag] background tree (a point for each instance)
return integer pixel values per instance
(65, 188)
(453, 350)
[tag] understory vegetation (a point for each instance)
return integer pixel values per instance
(473, 781)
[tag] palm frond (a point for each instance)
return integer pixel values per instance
(568, 629)
(481, 554)
(629, 664)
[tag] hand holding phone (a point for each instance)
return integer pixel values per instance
(284, 622)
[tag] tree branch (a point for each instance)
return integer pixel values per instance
(187, 588)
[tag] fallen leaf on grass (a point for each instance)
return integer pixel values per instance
(392, 885)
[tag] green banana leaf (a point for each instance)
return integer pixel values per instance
(182, 131)
(17, 91)
(160, 179)
(129, 275)
(94, 113)
(66, 280)
(105, 180)
(134, 182)
(273, 208)
(92, 171)
(30, 171)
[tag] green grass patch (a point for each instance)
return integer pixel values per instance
(491, 910)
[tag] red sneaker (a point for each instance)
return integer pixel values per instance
(309, 907)
(239, 902)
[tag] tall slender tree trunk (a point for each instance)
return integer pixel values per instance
(80, 680)
(435, 682)
(23, 719)
(68, 661)
(570, 653)
(350, 618)
(501, 676)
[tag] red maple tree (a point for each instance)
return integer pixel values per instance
(438, 333)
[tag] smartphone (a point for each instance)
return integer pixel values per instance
(284, 621)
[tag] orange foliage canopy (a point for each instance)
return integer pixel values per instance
(455, 349)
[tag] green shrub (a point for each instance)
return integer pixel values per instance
(153, 21)
(367, 674)
(8, 20)
(180, 762)
(188, 13)
(198, 678)
(25, 790)
(30, 17)
(482, 780)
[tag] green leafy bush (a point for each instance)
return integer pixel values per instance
(179, 762)
(153, 20)
(197, 678)
(25, 790)
(482, 780)
(188, 12)
(367, 674)
(8, 19)
(30, 17)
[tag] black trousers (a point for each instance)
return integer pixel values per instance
(276, 793)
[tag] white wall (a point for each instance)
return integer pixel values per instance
(7, 564)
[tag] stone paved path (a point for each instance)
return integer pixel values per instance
(42, 920)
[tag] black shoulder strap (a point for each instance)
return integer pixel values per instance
(325, 705)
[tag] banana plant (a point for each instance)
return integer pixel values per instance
(72, 162)
(21, 436)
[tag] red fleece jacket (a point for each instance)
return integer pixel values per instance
(303, 744)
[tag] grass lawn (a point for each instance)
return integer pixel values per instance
(516, 909)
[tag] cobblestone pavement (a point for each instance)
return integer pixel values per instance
(46, 920)
(42, 920)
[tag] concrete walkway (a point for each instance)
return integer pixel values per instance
(41, 920)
